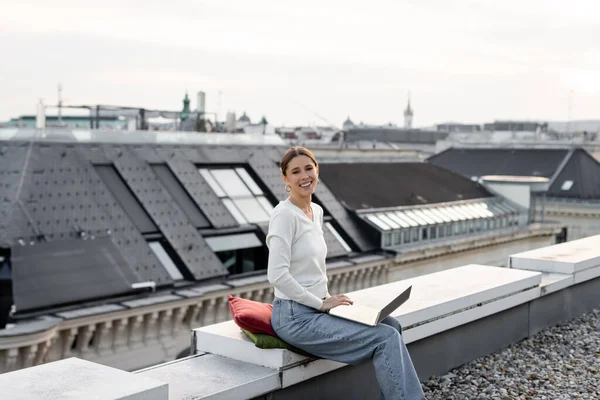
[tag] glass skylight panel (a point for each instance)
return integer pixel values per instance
(420, 214)
(429, 213)
(446, 217)
(252, 210)
(266, 204)
(460, 211)
(338, 237)
(448, 213)
(567, 185)
(406, 218)
(398, 220)
(415, 218)
(212, 182)
(233, 242)
(483, 209)
(388, 221)
(473, 213)
(233, 210)
(249, 181)
(379, 223)
(166, 261)
(475, 210)
(231, 183)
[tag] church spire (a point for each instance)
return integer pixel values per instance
(408, 115)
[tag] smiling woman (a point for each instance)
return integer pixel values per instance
(296, 268)
(300, 172)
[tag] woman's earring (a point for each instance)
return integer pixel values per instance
(288, 188)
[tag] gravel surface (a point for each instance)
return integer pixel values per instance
(562, 362)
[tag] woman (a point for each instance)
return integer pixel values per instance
(296, 268)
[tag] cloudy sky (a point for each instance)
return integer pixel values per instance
(297, 62)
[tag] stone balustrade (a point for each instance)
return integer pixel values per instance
(138, 333)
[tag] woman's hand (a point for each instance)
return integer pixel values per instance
(334, 301)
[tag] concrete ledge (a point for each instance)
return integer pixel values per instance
(77, 379)
(565, 258)
(439, 302)
(212, 377)
(480, 308)
(226, 339)
(552, 282)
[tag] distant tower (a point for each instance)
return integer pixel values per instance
(186, 108)
(230, 122)
(408, 115)
(201, 106)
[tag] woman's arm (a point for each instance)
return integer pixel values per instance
(323, 227)
(279, 242)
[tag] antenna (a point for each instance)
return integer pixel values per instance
(317, 115)
(569, 113)
(59, 104)
(220, 104)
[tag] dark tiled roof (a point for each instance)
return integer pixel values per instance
(379, 185)
(69, 271)
(559, 165)
(520, 162)
(99, 189)
(584, 171)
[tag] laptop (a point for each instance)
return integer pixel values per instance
(369, 315)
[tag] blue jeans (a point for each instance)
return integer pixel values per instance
(349, 342)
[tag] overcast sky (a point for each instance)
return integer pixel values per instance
(467, 61)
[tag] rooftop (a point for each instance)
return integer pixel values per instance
(573, 173)
(503, 321)
(380, 185)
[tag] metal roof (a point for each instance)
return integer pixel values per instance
(377, 185)
(573, 173)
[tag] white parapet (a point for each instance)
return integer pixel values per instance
(439, 302)
(75, 379)
(565, 258)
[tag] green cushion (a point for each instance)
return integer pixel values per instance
(264, 341)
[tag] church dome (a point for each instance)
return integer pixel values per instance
(348, 124)
(244, 118)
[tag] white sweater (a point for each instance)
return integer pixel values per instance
(297, 253)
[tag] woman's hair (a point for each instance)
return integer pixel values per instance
(294, 152)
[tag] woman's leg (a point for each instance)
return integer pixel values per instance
(393, 322)
(349, 342)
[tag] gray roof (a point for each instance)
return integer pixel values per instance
(381, 185)
(53, 195)
(394, 135)
(559, 165)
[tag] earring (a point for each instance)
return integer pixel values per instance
(288, 188)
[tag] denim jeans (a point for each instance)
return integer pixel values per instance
(349, 342)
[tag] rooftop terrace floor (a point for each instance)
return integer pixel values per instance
(562, 362)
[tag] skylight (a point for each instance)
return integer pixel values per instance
(567, 185)
(240, 193)
(166, 261)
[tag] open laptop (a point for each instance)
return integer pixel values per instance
(369, 315)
